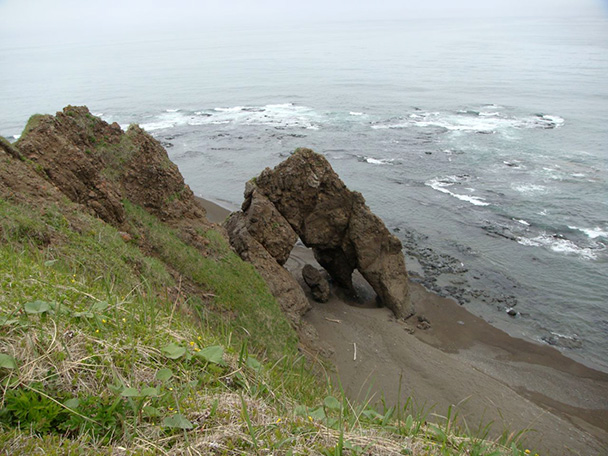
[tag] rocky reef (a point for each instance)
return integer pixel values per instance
(304, 197)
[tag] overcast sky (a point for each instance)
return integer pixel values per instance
(62, 18)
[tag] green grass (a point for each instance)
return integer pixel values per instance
(149, 345)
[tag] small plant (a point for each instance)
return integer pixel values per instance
(29, 409)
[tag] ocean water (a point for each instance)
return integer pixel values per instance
(481, 143)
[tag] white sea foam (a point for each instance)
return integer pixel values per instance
(379, 161)
(232, 109)
(284, 115)
(167, 119)
(159, 125)
(523, 222)
(390, 126)
(529, 188)
(441, 184)
(557, 120)
(353, 113)
(593, 233)
(487, 122)
(558, 244)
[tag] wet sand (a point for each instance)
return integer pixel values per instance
(460, 361)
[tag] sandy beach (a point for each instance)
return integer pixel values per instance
(453, 358)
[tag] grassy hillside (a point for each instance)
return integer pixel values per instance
(134, 341)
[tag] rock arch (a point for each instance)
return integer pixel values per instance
(304, 197)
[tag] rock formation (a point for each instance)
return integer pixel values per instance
(304, 197)
(98, 165)
(282, 285)
(319, 287)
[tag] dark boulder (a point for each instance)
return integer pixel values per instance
(317, 283)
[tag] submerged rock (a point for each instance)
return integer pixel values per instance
(308, 196)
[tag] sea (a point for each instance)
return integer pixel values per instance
(481, 143)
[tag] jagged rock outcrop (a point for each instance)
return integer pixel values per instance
(319, 286)
(306, 194)
(98, 165)
(282, 284)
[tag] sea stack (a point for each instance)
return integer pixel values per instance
(304, 197)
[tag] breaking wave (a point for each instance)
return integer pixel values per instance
(559, 244)
(441, 184)
(483, 122)
(284, 115)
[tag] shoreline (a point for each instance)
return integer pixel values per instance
(460, 360)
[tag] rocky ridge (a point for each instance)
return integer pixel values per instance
(99, 166)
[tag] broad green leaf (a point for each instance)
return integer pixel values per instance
(178, 421)
(333, 423)
(301, 410)
(37, 307)
(372, 415)
(254, 364)
(409, 421)
(116, 388)
(130, 392)
(387, 416)
(150, 411)
(85, 314)
(213, 354)
(7, 362)
(50, 262)
(332, 403)
(149, 392)
(99, 306)
(173, 351)
(317, 414)
(72, 403)
(164, 374)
